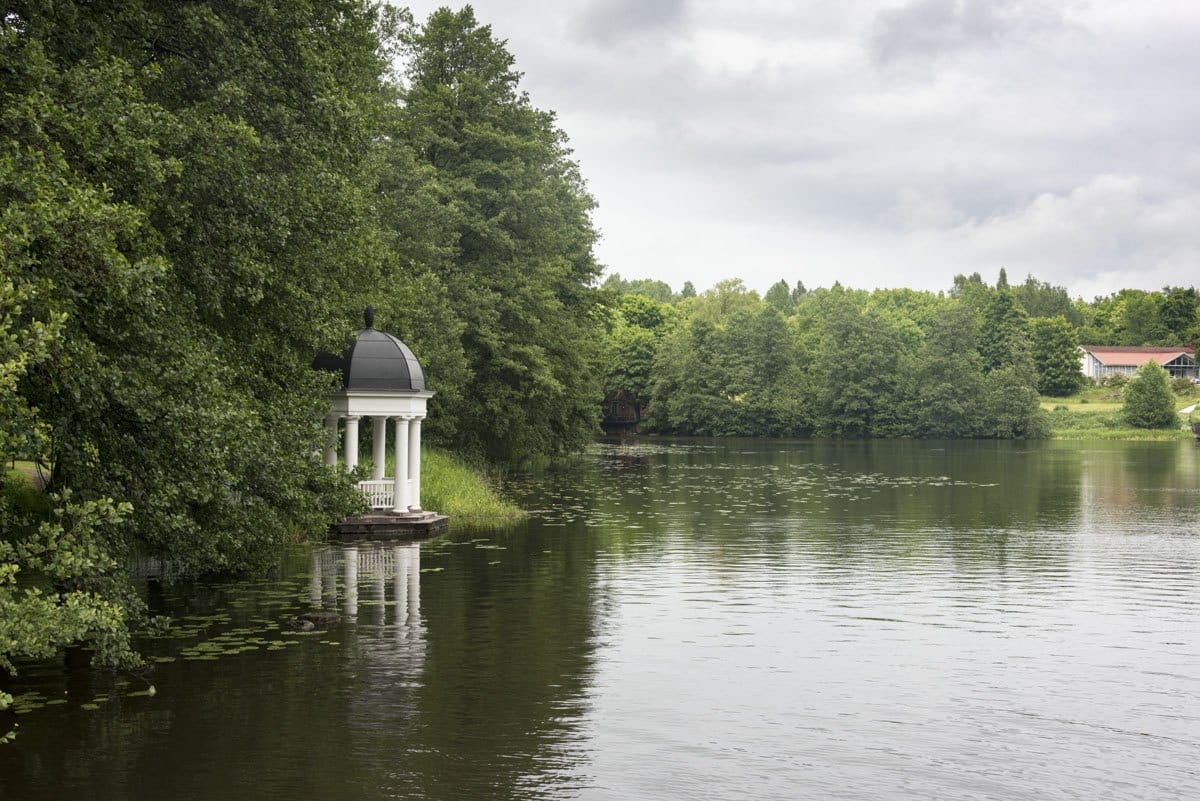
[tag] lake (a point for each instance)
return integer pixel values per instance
(689, 619)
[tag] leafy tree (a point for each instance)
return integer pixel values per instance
(633, 345)
(1148, 400)
(522, 267)
(971, 290)
(854, 374)
(1055, 354)
(779, 297)
(172, 183)
(1040, 299)
(949, 387)
(86, 602)
(1180, 312)
(1003, 332)
(688, 290)
(690, 387)
(1011, 401)
(1140, 318)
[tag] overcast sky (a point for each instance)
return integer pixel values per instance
(879, 144)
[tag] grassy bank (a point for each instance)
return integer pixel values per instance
(453, 487)
(1095, 413)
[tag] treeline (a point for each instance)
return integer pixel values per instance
(968, 363)
(195, 198)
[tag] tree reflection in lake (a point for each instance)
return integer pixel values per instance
(688, 619)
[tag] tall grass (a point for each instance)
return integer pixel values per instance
(451, 486)
(1066, 423)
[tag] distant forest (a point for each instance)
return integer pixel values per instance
(966, 363)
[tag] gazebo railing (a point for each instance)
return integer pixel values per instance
(379, 492)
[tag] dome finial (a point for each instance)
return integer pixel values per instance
(369, 316)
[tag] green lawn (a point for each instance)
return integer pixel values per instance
(1095, 413)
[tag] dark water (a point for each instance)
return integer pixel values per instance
(748, 619)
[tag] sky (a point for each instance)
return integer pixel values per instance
(879, 144)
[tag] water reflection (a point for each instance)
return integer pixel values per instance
(695, 620)
(375, 567)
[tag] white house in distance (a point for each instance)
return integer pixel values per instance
(1101, 361)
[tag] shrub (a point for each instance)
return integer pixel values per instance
(1182, 386)
(1149, 402)
(1114, 380)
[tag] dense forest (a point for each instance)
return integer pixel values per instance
(970, 362)
(196, 198)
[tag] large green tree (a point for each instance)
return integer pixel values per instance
(948, 387)
(1003, 331)
(1148, 400)
(1055, 355)
(231, 145)
(521, 272)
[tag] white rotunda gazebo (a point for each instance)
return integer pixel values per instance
(381, 382)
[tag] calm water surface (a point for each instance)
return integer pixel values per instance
(740, 619)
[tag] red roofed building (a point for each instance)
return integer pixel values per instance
(1100, 361)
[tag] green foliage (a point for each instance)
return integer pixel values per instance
(848, 363)
(1183, 387)
(633, 345)
(1003, 332)
(728, 370)
(1053, 348)
(1149, 402)
(855, 372)
(83, 598)
(949, 387)
(779, 297)
(659, 291)
(519, 268)
(1040, 299)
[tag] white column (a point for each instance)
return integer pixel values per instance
(351, 442)
(381, 598)
(350, 582)
(331, 423)
(314, 581)
(379, 447)
(414, 463)
(400, 489)
(414, 584)
(400, 588)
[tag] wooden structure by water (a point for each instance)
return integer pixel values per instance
(621, 413)
(384, 525)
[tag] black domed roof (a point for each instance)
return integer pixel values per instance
(375, 361)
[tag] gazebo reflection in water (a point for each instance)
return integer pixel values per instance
(371, 578)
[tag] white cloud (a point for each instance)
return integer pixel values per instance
(876, 143)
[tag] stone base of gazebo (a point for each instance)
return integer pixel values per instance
(384, 525)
